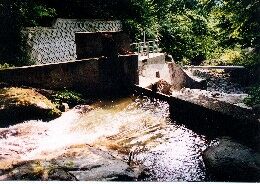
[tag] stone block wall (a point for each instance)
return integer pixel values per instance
(57, 43)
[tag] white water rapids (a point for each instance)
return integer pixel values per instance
(169, 151)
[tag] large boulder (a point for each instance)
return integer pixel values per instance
(231, 161)
(18, 104)
(162, 86)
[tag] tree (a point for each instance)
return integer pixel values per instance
(14, 15)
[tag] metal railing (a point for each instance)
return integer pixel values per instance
(145, 48)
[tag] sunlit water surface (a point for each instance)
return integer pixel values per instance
(143, 128)
(139, 127)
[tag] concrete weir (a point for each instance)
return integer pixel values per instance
(208, 116)
(99, 76)
(95, 75)
(117, 73)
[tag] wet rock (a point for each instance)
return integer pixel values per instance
(17, 104)
(231, 161)
(64, 107)
(36, 170)
(109, 170)
(82, 109)
(79, 162)
(97, 165)
(256, 109)
(163, 86)
(60, 175)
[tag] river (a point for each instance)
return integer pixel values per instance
(138, 130)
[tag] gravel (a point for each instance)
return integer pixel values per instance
(219, 87)
(219, 81)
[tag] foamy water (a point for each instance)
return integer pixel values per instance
(169, 151)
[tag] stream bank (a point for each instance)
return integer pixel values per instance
(18, 104)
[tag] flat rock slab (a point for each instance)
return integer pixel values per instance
(82, 162)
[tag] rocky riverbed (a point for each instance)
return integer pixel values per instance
(126, 139)
(219, 81)
(220, 86)
(227, 159)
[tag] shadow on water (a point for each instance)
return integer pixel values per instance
(15, 116)
(214, 124)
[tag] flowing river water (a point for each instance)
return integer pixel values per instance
(139, 130)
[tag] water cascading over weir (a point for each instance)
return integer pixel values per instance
(94, 142)
(94, 57)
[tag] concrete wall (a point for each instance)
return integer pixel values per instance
(89, 45)
(148, 66)
(57, 43)
(91, 75)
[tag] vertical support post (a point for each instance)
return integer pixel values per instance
(153, 46)
(138, 48)
(148, 49)
(144, 37)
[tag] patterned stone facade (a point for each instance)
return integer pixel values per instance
(57, 43)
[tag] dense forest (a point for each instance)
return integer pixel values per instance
(190, 30)
(215, 32)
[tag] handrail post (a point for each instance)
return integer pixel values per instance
(148, 49)
(153, 46)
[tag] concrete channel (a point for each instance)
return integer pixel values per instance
(205, 115)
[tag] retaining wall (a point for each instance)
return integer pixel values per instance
(91, 75)
(57, 43)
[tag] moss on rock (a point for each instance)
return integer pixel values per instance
(23, 104)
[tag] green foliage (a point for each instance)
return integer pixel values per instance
(5, 65)
(14, 16)
(141, 16)
(249, 59)
(243, 17)
(254, 96)
(183, 31)
(67, 96)
(191, 30)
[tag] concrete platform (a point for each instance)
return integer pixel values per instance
(152, 56)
